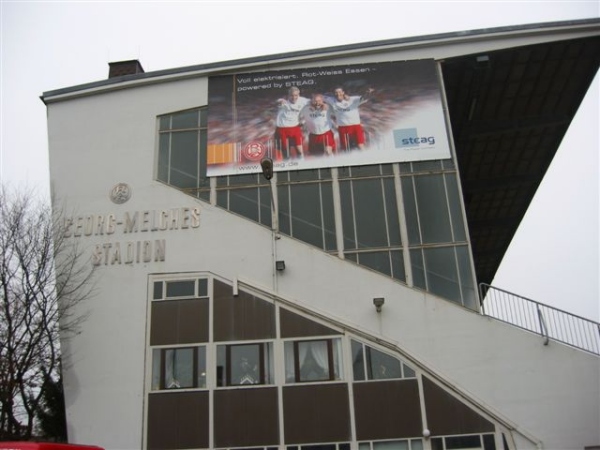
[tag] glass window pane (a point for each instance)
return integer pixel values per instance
(314, 360)
(441, 272)
(408, 372)
(337, 359)
(244, 202)
(203, 287)
(437, 444)
(369, 215)
(306, 213)
(269, 369)
(391, 445)
(391, 207)
(489, 443)
(347, 215)
(398, 271)
(454, 201)
(283, 198)
(164, 123)
(156, 365)
(204, 117)
(184, 159)
(328, 216)
(223, 199)
(469, 292)
(158, 286)
(221, 365)
(179, 368)
(245, 364)
(410, 210)
(433, 209)
(358, 363)
(290, 364)
(448, 164)
(463, 442)
(379, 261)
(351, 257)
(366, 171)
(187, 119)
(382, 366)
(163, 157)
(203, 180)
(364, 446)
(181, 288)
(201, 381)
(427, 166)
(418, 270)
(416, 444)
(265, 205)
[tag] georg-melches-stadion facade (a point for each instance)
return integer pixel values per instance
(336, 305)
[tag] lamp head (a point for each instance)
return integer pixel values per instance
(267, 168)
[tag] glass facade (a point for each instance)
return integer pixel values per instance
(403, 220)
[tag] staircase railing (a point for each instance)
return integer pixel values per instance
(547, 321)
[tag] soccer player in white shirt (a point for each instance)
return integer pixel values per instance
(346, 111)
(288, 133)
(317, 119)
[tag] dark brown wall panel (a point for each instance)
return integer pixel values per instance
(294, 325)
(448, 415)
(246, 417)
(387, 410)
(178, 420)
(179, 322)
(244, 317)
(316, 413)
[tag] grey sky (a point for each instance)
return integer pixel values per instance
(51, 45)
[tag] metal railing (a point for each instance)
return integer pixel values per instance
(547, 321)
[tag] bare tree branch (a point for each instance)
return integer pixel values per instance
(43, 278)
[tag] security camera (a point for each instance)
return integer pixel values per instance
(378, 302)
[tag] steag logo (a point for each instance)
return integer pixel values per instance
(408, 137)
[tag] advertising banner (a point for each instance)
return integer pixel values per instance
(325, 117)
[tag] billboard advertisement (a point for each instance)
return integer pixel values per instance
(325, 117)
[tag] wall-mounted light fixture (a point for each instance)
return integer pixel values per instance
(378, 302)
(280, 265)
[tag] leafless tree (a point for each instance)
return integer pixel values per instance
(43, 277)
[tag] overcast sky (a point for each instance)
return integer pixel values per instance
(52, 45)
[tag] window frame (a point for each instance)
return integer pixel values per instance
(334, 351)
(265, 364)
(162, 369)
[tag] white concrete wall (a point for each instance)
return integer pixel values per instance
(96, 142)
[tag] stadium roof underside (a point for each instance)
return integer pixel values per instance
(509, 109)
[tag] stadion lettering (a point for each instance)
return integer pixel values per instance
(326, 117)
(130, 223)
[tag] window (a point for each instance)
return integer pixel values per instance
(182, 151)
(314, 360)
(178, 368)
(472, 442)
(320, 447)
(180, 289)
(404, 444)
(371, 364)
(245, 364)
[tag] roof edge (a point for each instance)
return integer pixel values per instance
(361, 46)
